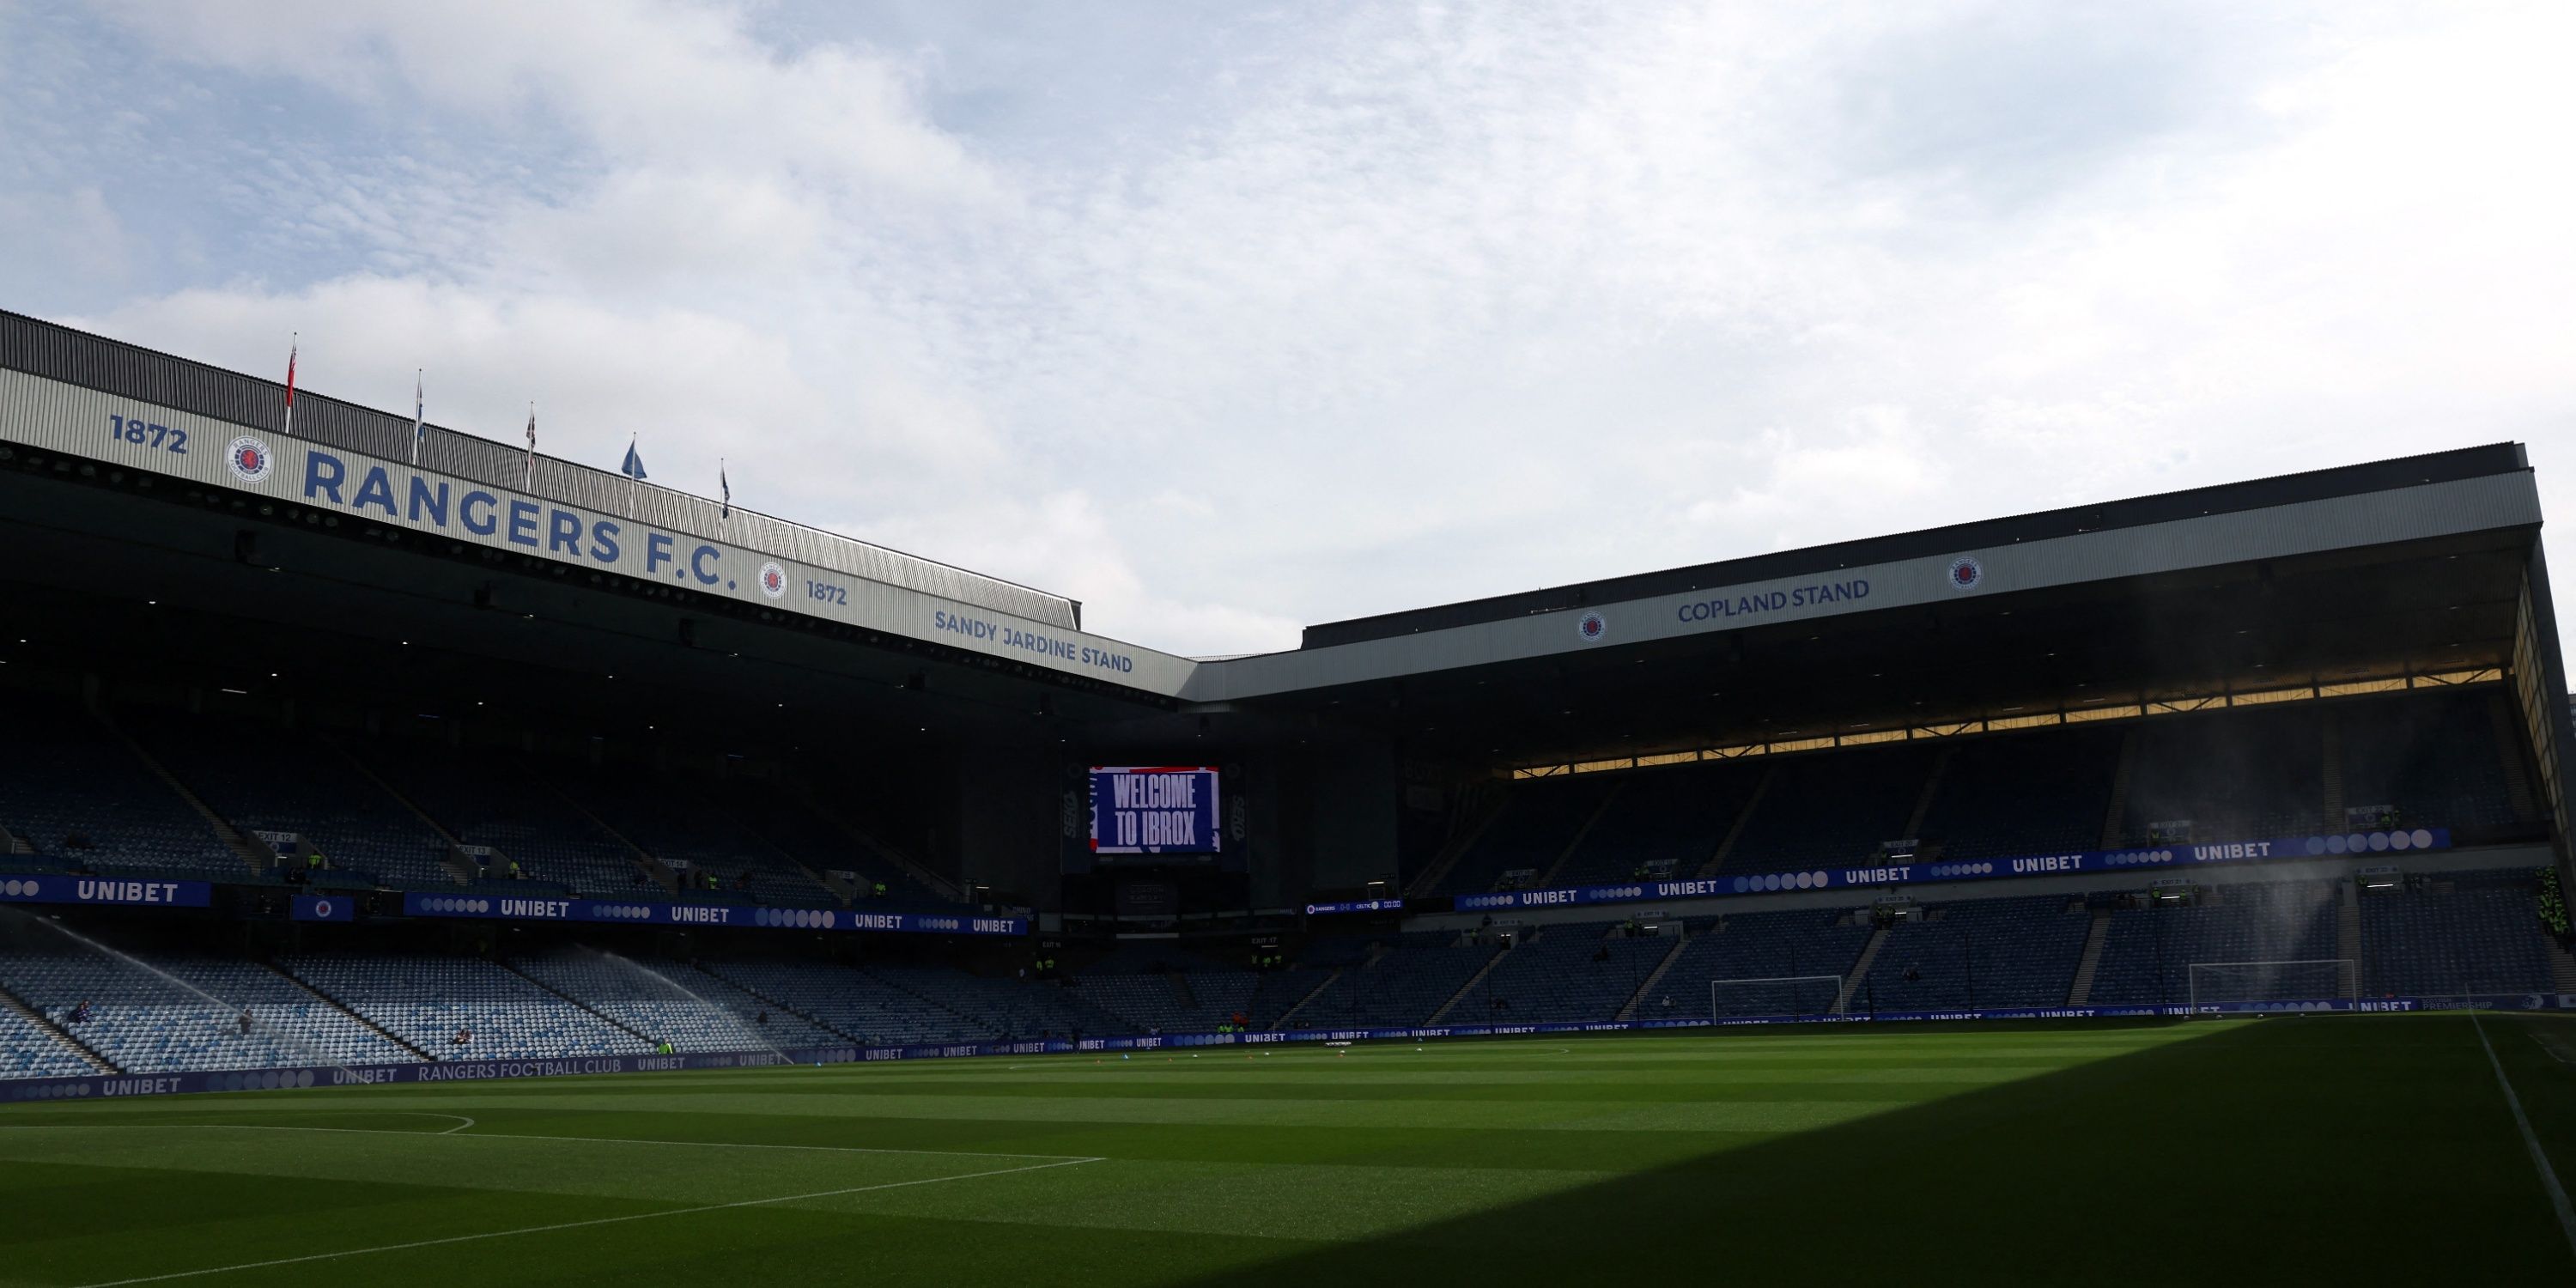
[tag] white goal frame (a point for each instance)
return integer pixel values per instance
(2347, 978)
(1836, 980)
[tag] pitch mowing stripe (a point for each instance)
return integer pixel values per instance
(575, 1225)
(2530, 1142)
(457, 1132)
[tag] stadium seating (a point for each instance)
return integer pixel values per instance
(1836, 808)
(2024, 793)
(2433, 756)
(78, 793)
(852, 1002)
(426, 1001)
(1567, 974)
(681, 825)
(1991, 953)
(1662, 817)
(1008, 1007)
(2148, 952)
(1757, 945)
(27, 1051)
(1538, 821)
(144, 1023)
(674, 1002)
(2465, 933)
(264, 778)
(1408, 984)
(775, 814)
(482, 799)
(2237, 775)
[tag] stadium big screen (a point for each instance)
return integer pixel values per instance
(1153, 809)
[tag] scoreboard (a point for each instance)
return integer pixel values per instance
(1154, 809)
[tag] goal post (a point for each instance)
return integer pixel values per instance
(2265, 983)
(1774, 995)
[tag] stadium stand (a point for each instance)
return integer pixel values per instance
(1568, 974)
(427, 1001)
(1407, 984)
(2023, 793)
(851, 1002)
(1007, 1007)
(79, 794)
(1979, 953)
(28, 1051)
(681, 825)
(143, 1023)
(2435, 757)
(2472, 932)
(775, 814)
(1822, 810)
(1661, 819)
(2244, 774)
(2149, 949)
(1755, 945)
(669, 1001)
(260, 777)
(504, 803)
(1537, 823)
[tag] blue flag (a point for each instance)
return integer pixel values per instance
(634, 467)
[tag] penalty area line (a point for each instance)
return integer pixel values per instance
(577, 1225)
(2530, 1142)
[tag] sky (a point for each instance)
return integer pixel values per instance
(1226, 319)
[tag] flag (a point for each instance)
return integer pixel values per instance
(634, 466)
(417, 431)
(529, 479)
(724, 486)
(291, 347)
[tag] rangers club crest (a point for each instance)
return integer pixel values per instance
(1592, 628)
(250, 459)
(1966, 573)
(773, 580)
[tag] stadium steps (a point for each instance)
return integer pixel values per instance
(929, 880)
(2081, 994)
(2330, 725)
(578, 1004)
(2347, 916)
(253, 855)
(662, 873)
(1181, 993)
(98, 1063)
(1931, 788)
(1859, 972)
(1476, 814)
(765, 999)
(2517, 780)
(453, 860)
(1646, 988)
(2112, 835)
(1281, 1023)
(1609, 798)
(343, 1008)
(2562, 966)
(1442, 1014)
(1752, 804)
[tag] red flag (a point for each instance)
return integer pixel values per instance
(290, 383)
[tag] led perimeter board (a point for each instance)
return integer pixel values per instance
(1154, 809)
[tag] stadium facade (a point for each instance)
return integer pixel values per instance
(460, 693)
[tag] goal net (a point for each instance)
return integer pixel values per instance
(2283, 983)
(1774, 995)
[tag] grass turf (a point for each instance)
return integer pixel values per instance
(2371, 1149)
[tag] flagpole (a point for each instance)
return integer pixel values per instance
(417, 407)
(528, 480)
(292, 344)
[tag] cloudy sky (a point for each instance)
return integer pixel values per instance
(1229, 318)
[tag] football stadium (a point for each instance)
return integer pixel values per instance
(425, 860)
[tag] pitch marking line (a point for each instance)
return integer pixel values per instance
(2539, 1158)
(576, 1225)
(504, 1135)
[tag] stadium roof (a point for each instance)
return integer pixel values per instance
(113, 366)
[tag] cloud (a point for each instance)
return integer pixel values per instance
(1377, 308)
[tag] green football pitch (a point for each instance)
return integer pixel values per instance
(2358, 1149)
